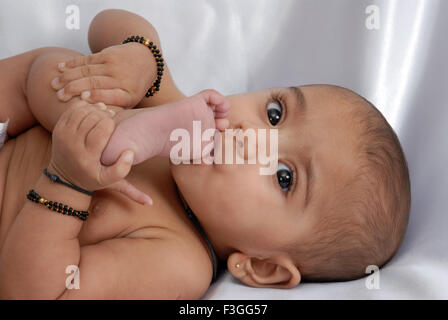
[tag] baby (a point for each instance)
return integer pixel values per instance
(338, 202)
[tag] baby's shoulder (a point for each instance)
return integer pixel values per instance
(182, 261)
(141, 267)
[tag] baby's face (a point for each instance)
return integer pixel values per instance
(239, 208)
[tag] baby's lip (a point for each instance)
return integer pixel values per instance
(219, 143)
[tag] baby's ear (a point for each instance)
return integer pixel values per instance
(278, 272)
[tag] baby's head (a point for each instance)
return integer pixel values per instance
(339, 202)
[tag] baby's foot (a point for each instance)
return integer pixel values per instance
(147, 131)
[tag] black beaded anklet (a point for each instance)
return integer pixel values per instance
(159, 60)
(56, 206)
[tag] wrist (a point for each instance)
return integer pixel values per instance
(146, 62)
(157, 58)
(61, 193)
(67, 182)
(55, 170)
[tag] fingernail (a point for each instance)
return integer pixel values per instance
(148, 200)
(129, 157)
(61, 65)
(112, 112)
(85, 95)
(61, 94)
(101, 105)
(55, 83)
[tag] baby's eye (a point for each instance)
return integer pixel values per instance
(284, 176)
(274, 113)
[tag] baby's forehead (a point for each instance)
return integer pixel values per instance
(331, 95)
(326, 139)
(331, 112)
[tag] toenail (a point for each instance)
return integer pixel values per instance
(61, 65)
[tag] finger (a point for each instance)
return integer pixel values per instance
(91, 117)
(97, 58)
(77, 104)
(112, 110)
(119, 170)
(64, 119)
(78, 112)
(80, 109)
(117, 97)
(98, 138)
(76, 87)
(88, 123)
(132, 192)
(222, 124)
(76, 73)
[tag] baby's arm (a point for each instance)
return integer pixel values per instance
(130, 70)
(111, 27)
(42, 245)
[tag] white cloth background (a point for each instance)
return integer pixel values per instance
(236, 46)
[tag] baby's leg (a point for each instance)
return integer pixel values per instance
(147, 131)
(26, 95)
(13, 104)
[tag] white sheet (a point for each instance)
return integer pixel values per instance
(3, 132)
(236, 46)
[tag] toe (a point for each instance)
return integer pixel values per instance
(222, 124)
(221, 115)
(223, 107)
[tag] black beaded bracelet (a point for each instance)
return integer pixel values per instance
(57, 206)
(159, 60)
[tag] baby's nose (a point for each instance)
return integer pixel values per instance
(246, 145)
(242, 125)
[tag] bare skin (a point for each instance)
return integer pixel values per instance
(248, 217)
(141, 235)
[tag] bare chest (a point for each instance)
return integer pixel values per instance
(112, 215)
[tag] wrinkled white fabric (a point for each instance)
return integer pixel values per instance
(236, 46)
(3, 132)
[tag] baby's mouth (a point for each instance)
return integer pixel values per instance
(219, 149)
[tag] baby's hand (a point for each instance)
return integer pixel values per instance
(79, 139)
(118, 75)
